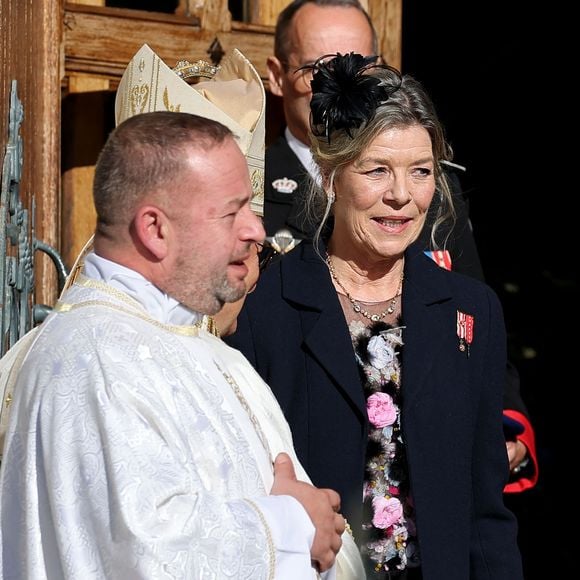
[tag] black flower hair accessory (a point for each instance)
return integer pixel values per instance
(343, 96)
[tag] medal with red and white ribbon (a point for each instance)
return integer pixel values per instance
(464, 331)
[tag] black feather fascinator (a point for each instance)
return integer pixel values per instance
(343, 95)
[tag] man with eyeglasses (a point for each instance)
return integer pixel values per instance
(306, 30)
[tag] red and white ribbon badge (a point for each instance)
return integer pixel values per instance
(464, 331)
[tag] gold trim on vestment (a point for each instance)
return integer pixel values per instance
(136, 309)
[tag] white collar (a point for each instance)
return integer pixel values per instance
(304, 154)
(158, 304)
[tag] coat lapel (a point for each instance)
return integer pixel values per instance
(307, 282)
(425, 290)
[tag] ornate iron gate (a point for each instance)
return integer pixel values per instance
(18, 244)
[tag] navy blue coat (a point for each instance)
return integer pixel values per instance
(293, 331)
(285, 209)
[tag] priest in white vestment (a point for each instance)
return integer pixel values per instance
(139, 445)
(144, 447)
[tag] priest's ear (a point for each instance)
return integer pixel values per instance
(151, 229)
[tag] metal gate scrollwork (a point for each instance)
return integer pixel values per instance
(18, 312)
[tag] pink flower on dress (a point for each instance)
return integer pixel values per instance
(386, 512)
(381, 410)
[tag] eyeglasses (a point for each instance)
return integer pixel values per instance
(303, 73)
(301, 76)
(265, 255)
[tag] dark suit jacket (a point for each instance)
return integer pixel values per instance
(285, 209)
(292, 329)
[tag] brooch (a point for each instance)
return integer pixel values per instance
(284, 185)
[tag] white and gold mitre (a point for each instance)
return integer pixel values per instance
(234, 96)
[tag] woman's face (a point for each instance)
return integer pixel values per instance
(382, 198)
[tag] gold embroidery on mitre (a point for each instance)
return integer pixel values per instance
(257, 201)
(168, 105)
(138, 97)
(257, 178)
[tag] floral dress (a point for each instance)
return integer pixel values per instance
(388, 539)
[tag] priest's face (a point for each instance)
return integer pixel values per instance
(215, 230)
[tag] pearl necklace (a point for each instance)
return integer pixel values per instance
(356, 306)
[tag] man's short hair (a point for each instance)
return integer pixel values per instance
(147, 152)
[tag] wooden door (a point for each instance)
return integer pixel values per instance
(30, 41)
(68, 58)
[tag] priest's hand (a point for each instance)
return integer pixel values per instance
(321, 505)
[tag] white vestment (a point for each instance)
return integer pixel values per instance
(139, 446)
